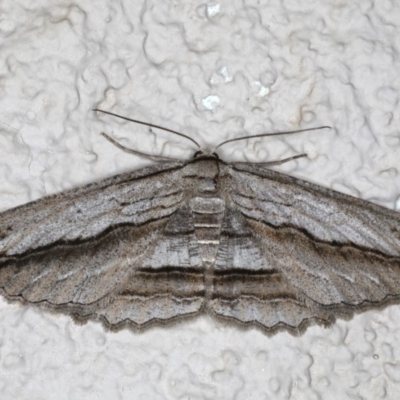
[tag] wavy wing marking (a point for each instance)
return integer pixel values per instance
(316, 254)
(82, 213)
(326, 215)
(128, 258)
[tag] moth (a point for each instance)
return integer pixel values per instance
(235, 240)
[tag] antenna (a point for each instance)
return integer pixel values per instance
(271, 134)
(148, 124)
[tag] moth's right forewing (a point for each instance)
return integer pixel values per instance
(332, 255)
(329, 216)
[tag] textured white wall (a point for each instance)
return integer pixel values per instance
(213, 70)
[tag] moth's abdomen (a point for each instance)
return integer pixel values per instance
(207, 207)
(208, 213)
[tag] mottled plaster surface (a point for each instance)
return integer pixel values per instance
(214, 71)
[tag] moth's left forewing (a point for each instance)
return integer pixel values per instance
(116, 250)
(293, 253)
(85, 212)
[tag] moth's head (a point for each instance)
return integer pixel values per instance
(200, 154)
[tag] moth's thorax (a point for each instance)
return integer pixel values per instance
(207, 206)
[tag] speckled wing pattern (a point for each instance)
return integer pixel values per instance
(237, 241)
